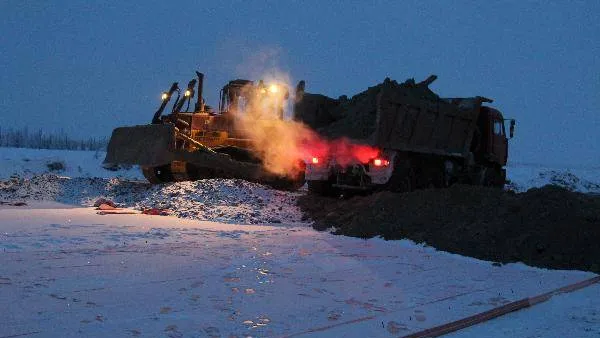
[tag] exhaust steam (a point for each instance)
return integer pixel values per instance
(285, 145)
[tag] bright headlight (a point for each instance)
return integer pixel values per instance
(187, 93)
(164, 96)
(273, 88)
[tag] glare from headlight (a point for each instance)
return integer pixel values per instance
(273, 88)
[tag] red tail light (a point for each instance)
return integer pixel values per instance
(380, 162)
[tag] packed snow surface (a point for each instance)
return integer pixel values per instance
(68, 272)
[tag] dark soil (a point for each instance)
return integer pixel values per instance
(547, 227)
(354, 117)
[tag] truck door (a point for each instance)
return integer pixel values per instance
(499, 140)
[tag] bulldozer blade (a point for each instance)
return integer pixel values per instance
(146, 145)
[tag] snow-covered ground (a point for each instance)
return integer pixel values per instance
(70, 272)
(222, 200)
(238, 261)
(525, 176)
(26, 163)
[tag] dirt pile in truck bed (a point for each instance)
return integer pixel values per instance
(547, 227)
(355, 117)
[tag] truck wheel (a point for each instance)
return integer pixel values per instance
(491, 177)
(499, 179)
(157, 175)
(403, 178)
(322, 188)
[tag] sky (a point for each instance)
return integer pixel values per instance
(89, 66)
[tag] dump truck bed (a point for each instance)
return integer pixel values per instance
(408, 121)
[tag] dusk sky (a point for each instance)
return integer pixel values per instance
(90, 66)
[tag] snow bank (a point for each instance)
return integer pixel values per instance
(25, 162)
(525, 176)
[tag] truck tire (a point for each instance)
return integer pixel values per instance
(498, 179)
(490, 176)
(403, 177)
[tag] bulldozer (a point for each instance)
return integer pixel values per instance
(199, 143)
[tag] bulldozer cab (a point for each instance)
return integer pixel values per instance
(258, 100)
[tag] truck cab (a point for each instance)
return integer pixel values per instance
(491, 141)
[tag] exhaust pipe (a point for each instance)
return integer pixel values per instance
(200, 102)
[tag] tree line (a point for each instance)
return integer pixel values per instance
(24, 138)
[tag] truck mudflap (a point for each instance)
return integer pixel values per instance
(145, 145)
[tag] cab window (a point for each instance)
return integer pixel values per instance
(498, 128)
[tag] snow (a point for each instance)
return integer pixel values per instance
(69, 272)
(24, 162)
(526, 176)
(237, 260)
(222, 200)
(566, 315)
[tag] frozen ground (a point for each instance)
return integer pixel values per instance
(222, 200)
(69, 272)
(257, 270)
(525, 176)
(26, 163)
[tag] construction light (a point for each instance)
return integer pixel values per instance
(273, 88)
(188, 93)
(315, 160)
(164, 96)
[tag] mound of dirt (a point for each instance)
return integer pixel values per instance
(548, 227)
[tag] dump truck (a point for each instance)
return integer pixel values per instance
(200, 142)
(415, 139)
